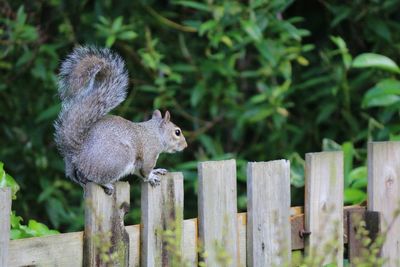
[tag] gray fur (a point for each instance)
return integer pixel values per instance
(98, 147)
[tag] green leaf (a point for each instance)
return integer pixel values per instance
(46, 193)
(326, 112)
(394, 137)
(358, 173)
(21, 15)
(116, 26)
(252, 29)
(371, 60)
(348, 153)
(128, 35)
(258, 98)
(358, 178)
(207, 26)
(296, 177)
(194, 5)
(104, 20)
(208, 144)
(197, 94)
(330, 145)
(40, 229)
(15, 220)
(25, 58)
(15, 234)
(226, 40)
(49, 113)
(354, 196)
(110, 40)
(361, 183)
(259, 114)
(383, 101)
(380, 27)
(340, 43)
(385, 93)
(7, 181)
(296, 170)
(26, 231)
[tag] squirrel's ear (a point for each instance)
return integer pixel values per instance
(156, 114)
(167, 116)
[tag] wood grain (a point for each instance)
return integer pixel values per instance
(5, 212)
(242, 234)
(217, 198)
(190, 242)
(324, 207)
(162, 222)
(105, 239)
(384, 194)
(268, 206)
(62, 250)
(134, 245)
(56, 250)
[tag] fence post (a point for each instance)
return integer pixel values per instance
(384, 194)
(162, 222)
(217, 197)
(268, 218)
(5, 211)
(323, 208)
(106, 242)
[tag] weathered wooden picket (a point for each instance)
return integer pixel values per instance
(220, 236)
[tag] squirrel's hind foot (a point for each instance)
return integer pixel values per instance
(108, 189)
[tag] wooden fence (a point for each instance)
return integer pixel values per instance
(265, 236)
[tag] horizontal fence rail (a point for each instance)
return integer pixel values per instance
(67, 249)
(264, 236)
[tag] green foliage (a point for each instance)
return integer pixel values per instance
(384, 94)
(371, 60)
(19, 230)
(254, 81)
(33, 229)
(114, 30)
(7, 181)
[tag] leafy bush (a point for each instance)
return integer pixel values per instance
(254, 80)
(19, 230)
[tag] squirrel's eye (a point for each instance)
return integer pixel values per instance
(178, 132)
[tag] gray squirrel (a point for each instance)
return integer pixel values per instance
(102, 148)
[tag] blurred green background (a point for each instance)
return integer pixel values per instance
(250, 80)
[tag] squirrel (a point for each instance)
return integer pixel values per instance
(102, 148)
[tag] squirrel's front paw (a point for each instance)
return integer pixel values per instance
(160, 171)
(154, 177)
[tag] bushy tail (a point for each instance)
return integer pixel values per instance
(91, 83)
